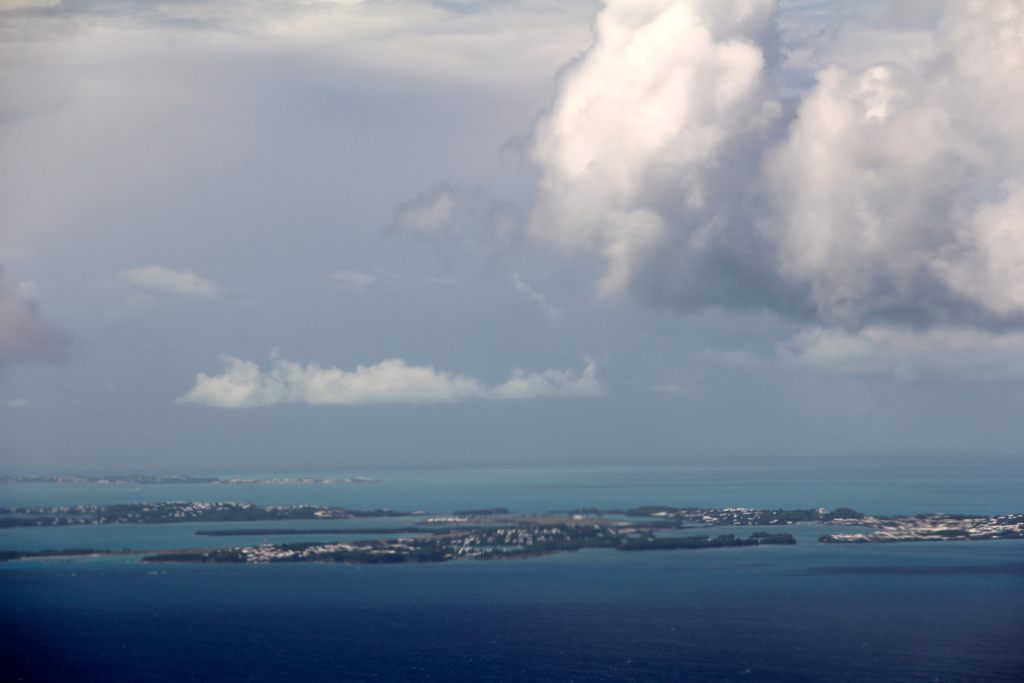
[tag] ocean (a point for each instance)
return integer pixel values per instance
(812, 612)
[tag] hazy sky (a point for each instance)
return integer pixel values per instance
(293, 233)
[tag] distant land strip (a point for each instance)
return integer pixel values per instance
(6, 555)
(154, 479)
(176, 512)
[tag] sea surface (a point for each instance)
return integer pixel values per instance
(812, 612)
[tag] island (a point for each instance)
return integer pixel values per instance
(7, 555)
(508, 539)
(930, 528)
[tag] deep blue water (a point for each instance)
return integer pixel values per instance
(810, 612)
(925, 612)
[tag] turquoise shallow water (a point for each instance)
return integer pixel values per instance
(138, 537)
(976, 486)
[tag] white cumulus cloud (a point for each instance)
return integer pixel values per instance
(898, 190)
(640, 126)
(167, 281)
(887, 194)
(548, 383)
(243, 385)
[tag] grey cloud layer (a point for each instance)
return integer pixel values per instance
(889, 195)
(244, 385)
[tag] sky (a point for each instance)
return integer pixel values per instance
(287, 234)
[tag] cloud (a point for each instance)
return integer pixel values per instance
(167, 281)
(886, 195)
(23, 334)
(463, 225)
(352, 280)
(535, 296)
(898, 189)
(907, 355)
(633, 149)
(8, 5)
(244, 385)
(524, 385)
